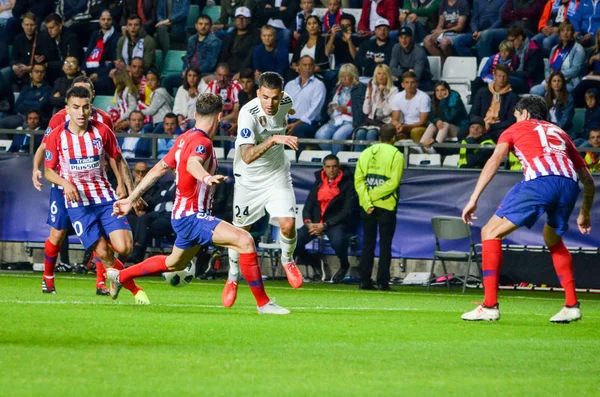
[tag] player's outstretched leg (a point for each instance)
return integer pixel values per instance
(231, 285)
(287, 240)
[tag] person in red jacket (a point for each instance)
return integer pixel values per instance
(555, 13)
(387, 9)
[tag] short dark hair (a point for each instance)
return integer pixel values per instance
(136, 59)
(134, 16)
(223, 65)
(387, 132)
(83, 79)
(136, 112)
(515, 31)
(246, 74)
(503, 68)
(42, 64)
(535, 105)
(271, 80)
(54, 17)
(409, 75)
(208, 105)
(186, 85)
(331, 157)
(36, 111)
(348, 17)
(78, 92)
(204, 16)
(170, 115)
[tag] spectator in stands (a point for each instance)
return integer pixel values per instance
(203, 48)
(332, 16)
(223, 26)
(376, 180)
(342, 43)
(377, 106)
(22, 58)
(561, 105)
(592, 159)
(7, 102)
(406, 56)
(523, 13)
(270, 56)
(145, 10)
(136, 43)
(248, 85)
(592, 112)
(530, 68)
(160, 102)
(506, 56)
(567, 57)
(20, 143)
(452, 21)
(592, 79)
(185, 99)
(485, 15)
(309, 95)
(448, 116)
(298, 26)
(77, 15)
(279, 14)
(135, 147)
(101, 53)
(228, 89)
(345, 109)
(329, 210)
(410, 109)
(373, 10)
(71, 70)
(56, 44)
(555, 13)
(313, 45)
(238, 45)
(374, 52)
(586, 22)
(35, 95)
(170, 128)
(126, 97)
(419, 16)
(475, 158)
(172, 19)
(138, 75)
(495, 103)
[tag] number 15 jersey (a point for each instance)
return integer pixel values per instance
(255, 127)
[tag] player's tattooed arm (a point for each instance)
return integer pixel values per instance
(121, 189)
(124, 172)
(250, 153)
(589, 189)
(149, 180)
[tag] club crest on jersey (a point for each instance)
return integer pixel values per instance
(97, 143)
(245, 133)
(263, 121)
(200, 149)
(48, 155)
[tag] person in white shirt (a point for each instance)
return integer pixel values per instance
(410, 109)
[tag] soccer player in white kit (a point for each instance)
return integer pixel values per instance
(262, 175)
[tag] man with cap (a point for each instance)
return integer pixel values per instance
(373, 52)
(406, 56)
(475, 158)
(238, 46)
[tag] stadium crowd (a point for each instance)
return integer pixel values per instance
(349, 72)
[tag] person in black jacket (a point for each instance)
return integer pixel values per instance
(328, 211)
(21, 59)
(56, 44)
(101, 53)
(238, 46)
(280, 17)
(149, 8)
(531, 61)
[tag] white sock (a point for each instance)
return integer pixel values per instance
(234, 265)
(288, 246)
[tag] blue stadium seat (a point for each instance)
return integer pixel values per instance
(159, 60)
(578, 120)
(173, 62)
(192, 17)
(214, 12)
(103, 102)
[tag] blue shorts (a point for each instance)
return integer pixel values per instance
(527, 201)
(94, 221)
(58, 217)
(195, 229)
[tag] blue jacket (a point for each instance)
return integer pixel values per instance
(587, 17)
(486, 14)
(34, 98)
(108, 56)
(179, 11)
(143, 148)
(451, 110)
(202, 55)
(572, 67)
(487, 68)
(565, 114)
(274, 61)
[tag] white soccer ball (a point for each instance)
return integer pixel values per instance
(180, 278)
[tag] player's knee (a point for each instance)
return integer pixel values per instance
(288, 227)
(489, 232)
(245, 243)
(103, 253)
(124, 248)
(57, 235)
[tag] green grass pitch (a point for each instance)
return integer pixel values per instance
(338, 341)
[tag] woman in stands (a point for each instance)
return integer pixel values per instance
(126, 97)
(160, 104)
(377, 106)
(448, 116)
(185, 99)
(345, 109)
(560, 104)
(313, 44)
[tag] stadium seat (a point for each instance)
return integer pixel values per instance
(291, 154)
(578, 120)
(103, 102)
(230, 154)
(348, 157)
(424, 160)
(220, 152)
(5, 145)
(435, 64)
(453, 228)
(481, 65)
(159, 60)
(451, 161)
(459, 70)
(214, 12)
(173, 62)
(192, 17)
(312, 156)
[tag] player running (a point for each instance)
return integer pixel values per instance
(552, 168)
(58, 219)
(76, 149)
(262, 175)
(193, 158)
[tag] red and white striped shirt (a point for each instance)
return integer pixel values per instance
(543, 149)
(192, 196)
(81, 161)
(229, 94)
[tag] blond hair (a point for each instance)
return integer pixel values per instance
(388, 74)
(348, 69)
(507, 45)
